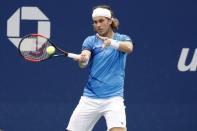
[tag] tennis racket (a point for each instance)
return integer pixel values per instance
(33, 48)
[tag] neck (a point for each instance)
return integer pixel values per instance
(109, 34)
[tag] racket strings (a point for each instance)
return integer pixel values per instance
(33, 48)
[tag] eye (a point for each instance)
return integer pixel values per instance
(101, 20)
(94, 22)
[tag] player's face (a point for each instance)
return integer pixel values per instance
(102, 25)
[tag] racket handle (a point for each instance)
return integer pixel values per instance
(74, 56)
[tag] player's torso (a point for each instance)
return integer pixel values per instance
(106, 70)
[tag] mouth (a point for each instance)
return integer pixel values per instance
(100, 30)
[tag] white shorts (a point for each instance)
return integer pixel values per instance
(89, 111)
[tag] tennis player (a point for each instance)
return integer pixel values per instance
(106, 52)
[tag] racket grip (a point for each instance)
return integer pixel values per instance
(74, 56)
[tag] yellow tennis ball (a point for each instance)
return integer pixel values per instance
(50, 50)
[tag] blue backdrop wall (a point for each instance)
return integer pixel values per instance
(160, 95)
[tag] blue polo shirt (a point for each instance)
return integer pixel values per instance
(107, 68)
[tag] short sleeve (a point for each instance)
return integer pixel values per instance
(125, 38)
(87, 44)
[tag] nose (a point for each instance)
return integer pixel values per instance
(98, 25)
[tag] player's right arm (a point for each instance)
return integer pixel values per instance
(84, 59)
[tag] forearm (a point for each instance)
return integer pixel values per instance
(125, 46)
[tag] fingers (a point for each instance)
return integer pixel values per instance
(80, 59)
(83, 58)
(106, 40)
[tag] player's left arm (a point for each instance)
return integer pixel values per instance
(125, 46)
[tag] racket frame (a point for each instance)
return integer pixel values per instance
(63, 52)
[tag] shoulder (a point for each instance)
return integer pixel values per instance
(90, 38)
(89, 42)
(122, 37)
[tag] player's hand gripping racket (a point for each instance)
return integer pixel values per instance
(35, 48)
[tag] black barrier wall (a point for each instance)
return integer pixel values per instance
(161, 73)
